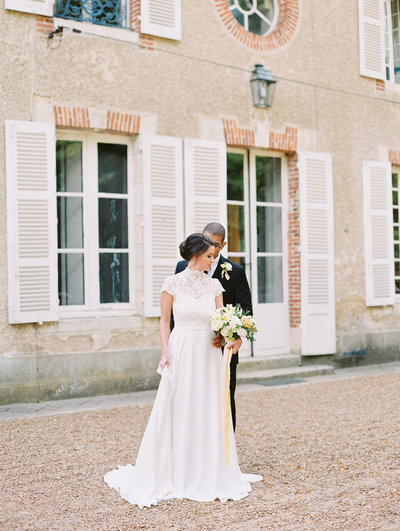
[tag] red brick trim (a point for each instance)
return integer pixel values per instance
(245, 137)
(237, 136)
(145, 41)
(380, 85)
(286, 142)
(123, 122)
(394, 156)
(286, 26)
(44, 25)
(71, 116)
(294, 242)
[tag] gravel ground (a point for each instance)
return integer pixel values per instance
(329, 453)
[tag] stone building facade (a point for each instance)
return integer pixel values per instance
(128, 124)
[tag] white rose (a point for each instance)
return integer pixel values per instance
(225, 331)
(216, 324)
(242, 332)
(235, 321)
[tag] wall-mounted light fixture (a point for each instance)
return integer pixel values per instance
(262, 84)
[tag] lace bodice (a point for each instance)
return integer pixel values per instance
(194, 298)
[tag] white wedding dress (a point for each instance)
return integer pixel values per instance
(182, 451)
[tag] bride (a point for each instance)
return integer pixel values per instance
(182, 451)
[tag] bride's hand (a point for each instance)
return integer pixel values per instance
(164, 360)
(235, 344)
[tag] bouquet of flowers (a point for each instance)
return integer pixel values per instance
(232, 322)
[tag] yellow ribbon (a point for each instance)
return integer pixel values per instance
(227, 403)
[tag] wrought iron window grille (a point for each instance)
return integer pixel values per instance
(112, 13)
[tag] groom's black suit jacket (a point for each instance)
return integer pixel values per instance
(237, 289)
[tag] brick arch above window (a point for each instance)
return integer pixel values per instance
(285, 28)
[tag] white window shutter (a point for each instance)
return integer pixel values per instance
(371, 38)
(378, 233)
(31, 222)
(162, 214)
(38, 7)
(205, 183)
(161, 18)
(318, 323)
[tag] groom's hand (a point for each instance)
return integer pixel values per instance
(235, 344)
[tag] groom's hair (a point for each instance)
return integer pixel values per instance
(216, 229)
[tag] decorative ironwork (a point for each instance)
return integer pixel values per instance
(104, 12)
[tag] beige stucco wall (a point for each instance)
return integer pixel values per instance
(319, 91)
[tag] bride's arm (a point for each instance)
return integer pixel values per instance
(219, 301)
(166, 307)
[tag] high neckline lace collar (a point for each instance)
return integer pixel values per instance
(194, 274)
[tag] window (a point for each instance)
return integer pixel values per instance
(93, 205)
(237, 207)
(392, 40)
(396, 228)
(104, 12)
(256, 16)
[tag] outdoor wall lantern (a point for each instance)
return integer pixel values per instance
(262, 84)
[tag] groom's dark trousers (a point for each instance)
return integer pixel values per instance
(237, 291)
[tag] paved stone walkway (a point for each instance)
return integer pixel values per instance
(328, 450)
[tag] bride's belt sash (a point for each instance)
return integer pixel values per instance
(192, 328)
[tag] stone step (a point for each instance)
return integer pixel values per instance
(268, 362)
(287, 373)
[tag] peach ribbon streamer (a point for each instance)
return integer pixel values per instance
(227, 403)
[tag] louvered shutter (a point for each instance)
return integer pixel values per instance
(318, 327)
(31, 222)
(161, 18)
(162, 214)
(378, 231)
(205, 183)
(371, 38)
(39, 7)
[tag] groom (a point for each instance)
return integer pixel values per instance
(237, 291)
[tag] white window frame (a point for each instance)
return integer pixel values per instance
(92, 306)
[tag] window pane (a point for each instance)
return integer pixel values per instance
(71, 279)
(112, 168)
(396, 234)
(397, 269)
(69, 166)
(113, 223)
(270, 285)
(70, 223)
(397, 286)
(395, 215)
(236, 228)
(114, 277)
(269, 230)
(394, 180)
(235, 176)
(395, 197)
(268, 179)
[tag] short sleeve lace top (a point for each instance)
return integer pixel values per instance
(195, 284)
(194, 298)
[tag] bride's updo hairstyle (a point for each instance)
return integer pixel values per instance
(194, 244)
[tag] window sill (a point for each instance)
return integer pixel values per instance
(119, 34)
(81, 313)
